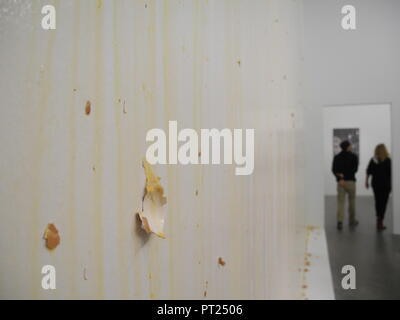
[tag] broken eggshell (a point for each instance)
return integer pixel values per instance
(153, 205)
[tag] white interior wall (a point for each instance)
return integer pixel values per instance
(206, 64)
(349, 68)
(373, 121)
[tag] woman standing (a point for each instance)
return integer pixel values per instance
(380, 169)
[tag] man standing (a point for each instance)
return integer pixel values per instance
(344, 167)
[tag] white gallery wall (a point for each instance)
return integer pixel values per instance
(207, 64)
(356, 67)
(374, 124)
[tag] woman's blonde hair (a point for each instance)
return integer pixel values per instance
(381, 152)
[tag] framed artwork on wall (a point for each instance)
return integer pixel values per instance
(350, 134)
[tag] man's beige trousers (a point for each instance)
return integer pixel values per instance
(350, 189)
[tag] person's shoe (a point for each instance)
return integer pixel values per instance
(379, 224)
(340, 225)
(354, 223)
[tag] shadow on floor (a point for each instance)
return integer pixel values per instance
(375, 256)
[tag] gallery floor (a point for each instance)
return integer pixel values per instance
(375, 256)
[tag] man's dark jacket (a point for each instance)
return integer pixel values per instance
(346, 163)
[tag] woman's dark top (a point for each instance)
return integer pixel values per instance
(381, 172)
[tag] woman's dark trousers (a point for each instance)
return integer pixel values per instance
(381, 198)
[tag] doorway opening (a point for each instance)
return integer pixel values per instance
(371, 253)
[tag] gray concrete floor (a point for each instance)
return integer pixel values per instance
(375, 256)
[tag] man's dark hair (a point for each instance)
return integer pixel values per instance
(344, 145)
